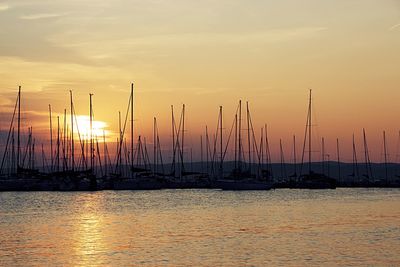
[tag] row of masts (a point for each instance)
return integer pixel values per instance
(63, 156)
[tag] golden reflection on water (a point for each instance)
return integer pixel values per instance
(201, 228)
(89, 236)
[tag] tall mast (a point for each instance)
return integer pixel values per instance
(154, 146)
(221, 142)
(10, 131)
(146, 159)
(19, 127)
(261, 153)
(105, 153)
(283, 170)
(183, 138)
(67, 149)
(201, 153)
(139, 151)
(29, 147)
(120, 142)
(309, 133)
(323, 155)
(51, 141)
(85, 149)
(207, 148)
(236, 140)
(262, 145)
(13, 166)
(33, 153)
(98, 155)
(385, 156)
(267, 151)
(248, 134)
(338, 158)
(64, 141)
(366, 154)
(117, 168)
(240, 137)
(173, 138)
(72, 133)
(159, 152)
(91, 134)
(31, 156)
(58, 143)
(132, 129)
(294, 155)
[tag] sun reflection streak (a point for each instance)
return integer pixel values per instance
(89, 234)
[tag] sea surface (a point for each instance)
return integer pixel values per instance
(343, 227)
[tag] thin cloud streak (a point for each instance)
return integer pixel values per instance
(117, 49)
(277, 35)
(394, 27)
(42, 16)
(4, 7)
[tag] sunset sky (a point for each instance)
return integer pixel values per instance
(206, 54)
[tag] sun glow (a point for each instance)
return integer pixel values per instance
(98, 128)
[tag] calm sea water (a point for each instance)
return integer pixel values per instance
(201, 228)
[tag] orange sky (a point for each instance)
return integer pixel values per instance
(206, 54)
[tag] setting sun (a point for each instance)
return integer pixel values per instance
(99, 128)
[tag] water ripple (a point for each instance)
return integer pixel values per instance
(201, 227)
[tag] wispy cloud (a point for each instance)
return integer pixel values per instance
(118, 47)
(42, 16)
(394, 27)
(270, 36)
(4, 7)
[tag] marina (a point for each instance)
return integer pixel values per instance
(199, 133)
(75, 163)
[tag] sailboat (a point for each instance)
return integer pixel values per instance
(140, 176)
(21, 174)
(240, 179)
(77, 176)
(312, 180)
